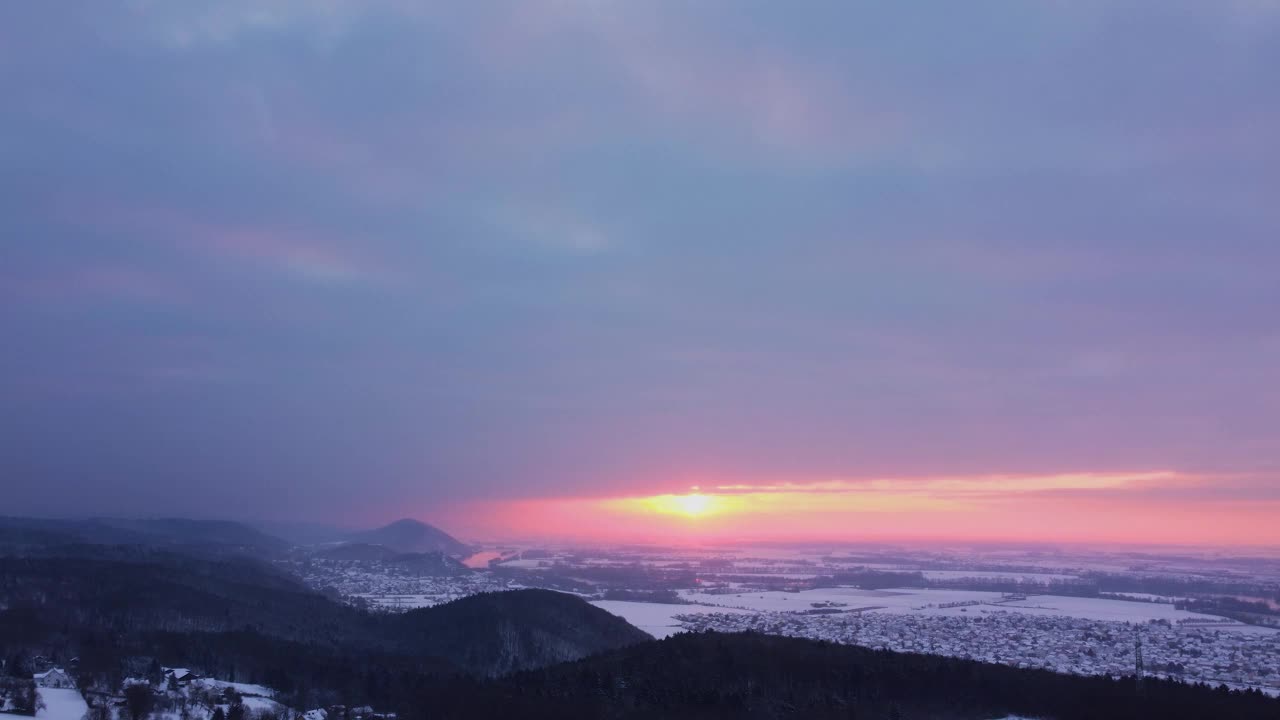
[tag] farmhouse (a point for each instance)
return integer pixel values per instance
(54, 678)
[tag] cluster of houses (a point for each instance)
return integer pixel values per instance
(179, 683)
(1239, 656)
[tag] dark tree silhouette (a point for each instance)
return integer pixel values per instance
(99, 711)
(139, 700)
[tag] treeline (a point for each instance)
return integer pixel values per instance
(142, 590)
(124, 614)
(705, 675)
(664, 597)
(1257, 613)
(1211, 596)
(757, 676)
(121, 611)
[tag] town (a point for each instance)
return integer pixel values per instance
(392, 587)
(1188, 651)
(787, 593)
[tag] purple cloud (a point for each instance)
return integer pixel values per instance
(576, 249)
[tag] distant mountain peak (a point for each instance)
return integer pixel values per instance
(407, 523)
(408, 535)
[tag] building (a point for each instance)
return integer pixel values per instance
(54, 678)
(179, 676)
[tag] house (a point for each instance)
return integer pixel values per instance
(177, 677)
(54, 678)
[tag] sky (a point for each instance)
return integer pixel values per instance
(986, 270)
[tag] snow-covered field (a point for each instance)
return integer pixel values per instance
(926, 601)
(61, 704)
(657, 619)
(261, 704)
(243, 688)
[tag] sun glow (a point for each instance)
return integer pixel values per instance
(1065, 507)
(693, 505)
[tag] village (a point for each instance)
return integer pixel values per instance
(386, 586)
(1194, 652)
(53, 693)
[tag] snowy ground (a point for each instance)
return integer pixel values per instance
(926, 601)
(657, 619)
(243, 688)
(61, 704)
(261, 704)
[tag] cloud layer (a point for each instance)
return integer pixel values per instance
(401, 254)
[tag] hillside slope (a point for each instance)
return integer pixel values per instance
(497, 633)
(52, 603)
(763, 677)
(20, 534)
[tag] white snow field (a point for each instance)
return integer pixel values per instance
(927, 602)
(657, 619)
(244, 689)
(61, 704)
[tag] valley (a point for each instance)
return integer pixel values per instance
(1075, 611)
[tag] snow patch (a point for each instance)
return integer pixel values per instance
(61, 704)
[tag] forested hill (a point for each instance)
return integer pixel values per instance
(28, 535)
(124, 610)
(763, 677)
(51, 604)
(498, 633)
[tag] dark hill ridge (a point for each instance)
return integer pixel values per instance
(356, 552)
(132, 593)
(220, 532)
(127, 590)
(762, 677)
(119, 608)
(159, 532)
(413, 536)
(498, 633)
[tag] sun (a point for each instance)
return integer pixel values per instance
(692, 505)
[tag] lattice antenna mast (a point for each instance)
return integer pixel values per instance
(1139, 668)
